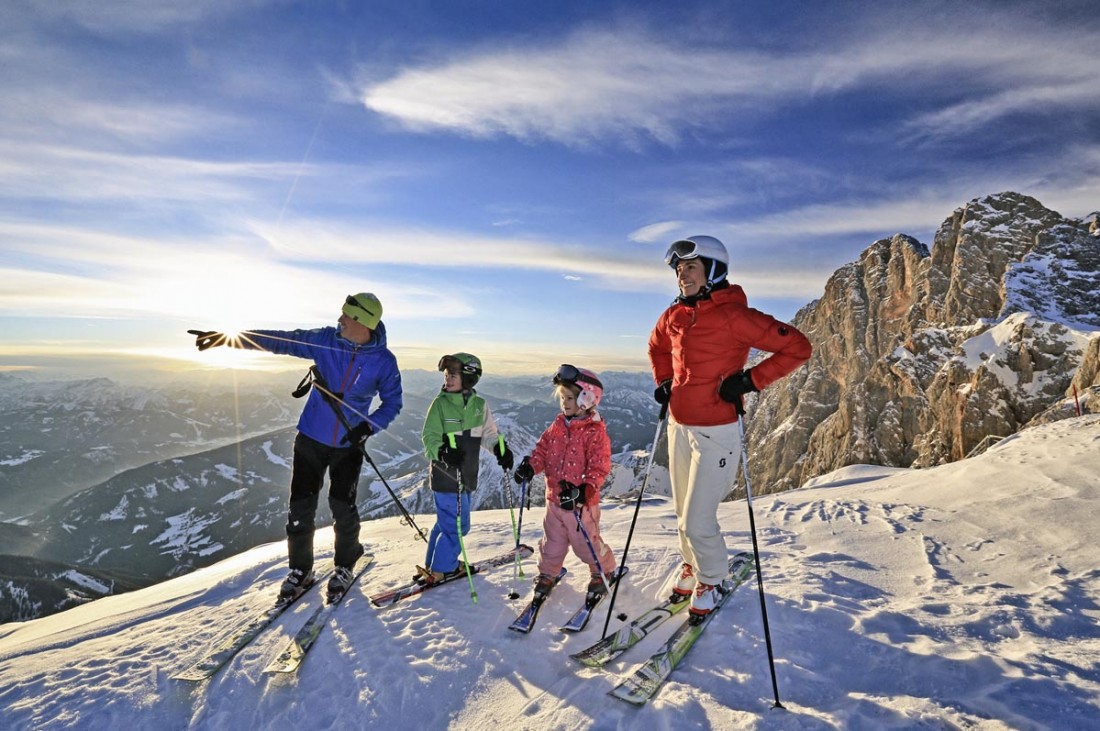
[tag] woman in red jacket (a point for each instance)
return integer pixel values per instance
(575, 454)
(698, 351)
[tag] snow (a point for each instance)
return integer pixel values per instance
(965, 596)
(27, 456)
(119, 511)
(87, 582)
(988, 348)
(185, 533)
(228, 472)
(231, 496)
(268, 448)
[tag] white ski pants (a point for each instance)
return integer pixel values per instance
(702, 462)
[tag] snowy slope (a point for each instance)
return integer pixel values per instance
(964, 596)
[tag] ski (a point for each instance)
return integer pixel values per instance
(526, 619)
(413, 588)
(579, 620)
(295, 651)
(610, 647)
(210, 663)
(644, 683)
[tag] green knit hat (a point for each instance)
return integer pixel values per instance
(364, 308)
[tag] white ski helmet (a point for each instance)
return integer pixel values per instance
(706, 248)
(584, 379)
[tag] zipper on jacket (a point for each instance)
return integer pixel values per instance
(343, 391)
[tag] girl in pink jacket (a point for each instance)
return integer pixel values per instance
(575, 455)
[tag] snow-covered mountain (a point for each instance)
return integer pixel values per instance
(964, 596)
(922, 354)
(170, 516)
(59, 437)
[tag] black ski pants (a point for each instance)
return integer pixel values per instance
(311, 460)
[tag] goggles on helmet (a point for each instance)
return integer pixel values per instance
(569, 374)
(454, 365)
(681, 250)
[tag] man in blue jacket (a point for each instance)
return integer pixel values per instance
(353, 365)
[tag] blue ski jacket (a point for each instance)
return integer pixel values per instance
(355, 373)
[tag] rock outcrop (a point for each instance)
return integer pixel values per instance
(921, 355)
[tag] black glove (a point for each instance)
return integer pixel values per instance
(451, 456)
(734, 387)
(358, 434)
(506, 460)
(570, 496)
(207, 339)
(663, 393)
(525, 472)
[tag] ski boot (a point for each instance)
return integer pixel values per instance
(544, 584)
(339, 583)
(684, 586)
(294, 585)
(704, 601)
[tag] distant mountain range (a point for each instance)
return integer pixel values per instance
(922, 356)
(59, 437)
(171, 515)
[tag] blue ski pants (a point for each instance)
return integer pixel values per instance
(443, 545)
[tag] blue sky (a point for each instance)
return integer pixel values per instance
(505, 176)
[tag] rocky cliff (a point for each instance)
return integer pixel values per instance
(920, 355)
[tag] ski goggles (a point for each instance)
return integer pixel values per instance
(367, 310)
(454, 365)
(568, 374)
(681, 250)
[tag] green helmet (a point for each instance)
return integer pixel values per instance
(363, 308)
(468, 366)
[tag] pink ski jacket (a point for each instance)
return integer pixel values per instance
(577, 451)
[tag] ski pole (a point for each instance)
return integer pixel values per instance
(508, 492)
(313, 378)
(458, 527)
(756, 552)
(633, 522)
(517, 572)
(524, 498)
(407, 519)
(599, 566)
(511, 502)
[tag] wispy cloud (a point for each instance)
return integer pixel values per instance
(75, 174)
(59, 113)
(630, 85)
(883, 216)
(111, 17)
(608, 268)
(593, 85)
(208, 188)
(655, 232)
(329, 241)
(53, 271)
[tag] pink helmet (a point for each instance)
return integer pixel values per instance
(584, 379)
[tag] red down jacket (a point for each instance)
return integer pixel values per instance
(698, 346)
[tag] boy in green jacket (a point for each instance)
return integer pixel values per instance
(457, 424)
